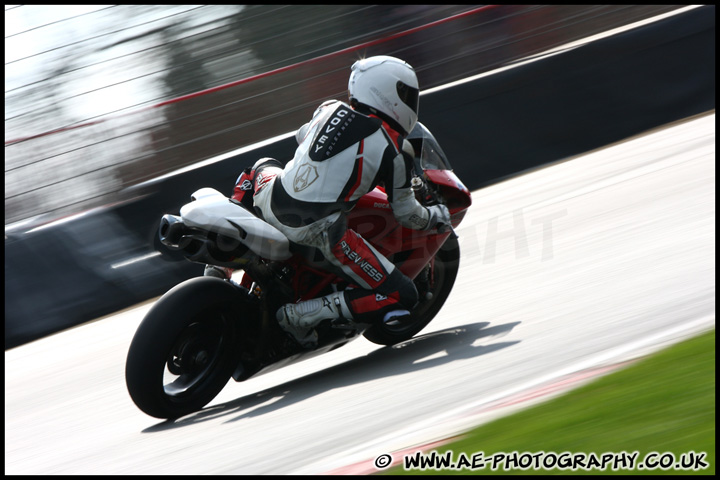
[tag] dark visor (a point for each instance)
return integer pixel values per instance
(409, 95)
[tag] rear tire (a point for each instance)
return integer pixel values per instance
(447, 264)
(185, 349)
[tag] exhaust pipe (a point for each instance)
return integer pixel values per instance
(171, 230)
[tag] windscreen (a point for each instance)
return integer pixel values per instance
(431, 156)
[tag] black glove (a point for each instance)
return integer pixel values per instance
(439, 215)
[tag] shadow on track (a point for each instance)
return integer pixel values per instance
(424, 351)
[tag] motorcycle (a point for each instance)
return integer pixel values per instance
(207, 330)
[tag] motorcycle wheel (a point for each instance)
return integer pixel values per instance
(447, 264)
(185, 349)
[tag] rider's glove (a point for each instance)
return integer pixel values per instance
(439, 216)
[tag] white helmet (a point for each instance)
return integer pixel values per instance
(388, 85)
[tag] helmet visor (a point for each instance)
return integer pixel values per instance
(409, 95)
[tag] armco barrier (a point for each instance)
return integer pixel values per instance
(491, 128)
(577, 101)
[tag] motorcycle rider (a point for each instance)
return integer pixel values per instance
(343, 152)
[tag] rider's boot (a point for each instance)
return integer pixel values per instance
(300, 319)
(396, 318)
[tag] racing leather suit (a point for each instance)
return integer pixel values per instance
(342, 154)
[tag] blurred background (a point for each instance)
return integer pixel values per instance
(103, 102)
(99, 98)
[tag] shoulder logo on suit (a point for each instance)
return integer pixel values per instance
(305, 176)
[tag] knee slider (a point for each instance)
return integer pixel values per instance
(407, 293)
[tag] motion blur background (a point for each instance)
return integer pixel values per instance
(99, 98)
(115, 114)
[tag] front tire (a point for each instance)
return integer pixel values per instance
(447, 264)
(185, 349)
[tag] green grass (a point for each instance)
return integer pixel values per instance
(664, 403)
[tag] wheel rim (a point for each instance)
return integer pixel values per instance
(195, 356)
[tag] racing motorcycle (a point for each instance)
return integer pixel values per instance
(207, 330)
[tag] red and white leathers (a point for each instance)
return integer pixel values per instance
(342, 155)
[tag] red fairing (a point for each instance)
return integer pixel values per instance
(456, 194)
(374, 220)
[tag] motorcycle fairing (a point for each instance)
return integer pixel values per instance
(214, 212)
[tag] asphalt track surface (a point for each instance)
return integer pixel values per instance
(566, 273)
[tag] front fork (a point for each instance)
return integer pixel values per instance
(425, 281)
